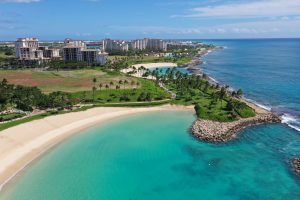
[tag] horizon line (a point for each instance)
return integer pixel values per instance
(262, 38)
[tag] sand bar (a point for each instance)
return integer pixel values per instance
(21, 144)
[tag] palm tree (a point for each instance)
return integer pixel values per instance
(124, 83)
(94, 90)
(222, 94)
(100, 86)
(107, 86)
(239, 93)
(94, 81)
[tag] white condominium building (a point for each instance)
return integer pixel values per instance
(75, 50)
(72, 53)
(93, 56)
(27, 49)
(49, 53)
(111, 45)
(149, 44)
(74, 43)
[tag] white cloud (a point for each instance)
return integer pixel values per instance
(276, 28)
(19, 1)
(264, 8)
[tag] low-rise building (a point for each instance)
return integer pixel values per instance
(49, 53)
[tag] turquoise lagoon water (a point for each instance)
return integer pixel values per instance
(153, 156)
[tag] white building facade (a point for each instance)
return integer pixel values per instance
(149, 44)
(28, 49)
(75, 50)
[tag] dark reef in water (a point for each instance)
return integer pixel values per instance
(296, 165)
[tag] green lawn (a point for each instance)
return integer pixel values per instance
(8, 117)
(123, 94)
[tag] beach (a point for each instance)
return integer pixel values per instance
(155, 65)
(134, 70)
(21, 144)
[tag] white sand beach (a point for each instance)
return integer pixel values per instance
(140, 73)
(22, 144)
(155, 65)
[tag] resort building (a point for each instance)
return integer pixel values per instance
(76, 50)
(28, 49)
(72, 53)
(74, 43)
(93, 56)
(49, 53)
(115, 45)
(149, 44)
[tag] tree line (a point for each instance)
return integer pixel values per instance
(29, 98)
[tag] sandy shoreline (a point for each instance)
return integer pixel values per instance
(22, 144)
(136, 72)
(155, 65)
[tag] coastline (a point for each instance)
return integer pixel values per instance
(22, 144)
(213, 131)
(136, 72)
(155, 65)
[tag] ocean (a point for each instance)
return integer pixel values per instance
(153, 156)
(268, 71)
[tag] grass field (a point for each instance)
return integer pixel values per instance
(124, 94)
(115, 86)
(66, 81)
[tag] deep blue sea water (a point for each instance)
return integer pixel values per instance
(153, 156)
(268, 71)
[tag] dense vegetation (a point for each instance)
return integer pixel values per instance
(211, 101)
(115, 89)
(6, 51)
(27, 98)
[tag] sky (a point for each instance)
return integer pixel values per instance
(166, 19)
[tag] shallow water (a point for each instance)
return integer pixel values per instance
(153, 156)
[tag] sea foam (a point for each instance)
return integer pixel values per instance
(291, 121)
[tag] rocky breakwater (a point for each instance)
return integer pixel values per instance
(213, 131)
(296, 165)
